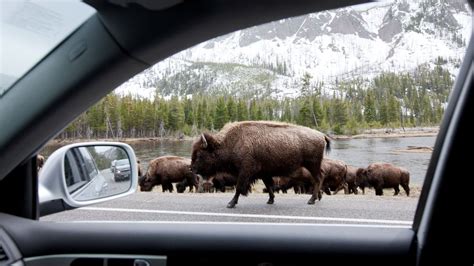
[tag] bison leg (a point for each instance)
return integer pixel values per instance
(234, 200)
(397, 190)
(327, 191)
(238, 190)
(169, 187)
(378, 191)
(346, 188)
(354, 189)
(269, 186)
(342, 187)
(243, 186)
(406, 188)
(316, 181)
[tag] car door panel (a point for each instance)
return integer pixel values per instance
(214, 243)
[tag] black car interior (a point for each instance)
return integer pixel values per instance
(126, 37)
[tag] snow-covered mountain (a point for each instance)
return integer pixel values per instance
(343, 44)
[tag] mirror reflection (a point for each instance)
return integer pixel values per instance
(95, 172)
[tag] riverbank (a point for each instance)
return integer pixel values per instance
(366, 134)
(393, 133)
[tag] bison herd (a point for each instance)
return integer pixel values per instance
(282, 155)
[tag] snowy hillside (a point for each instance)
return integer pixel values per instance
(357, 42)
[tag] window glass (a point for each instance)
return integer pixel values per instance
(374, 78)
(42, 23)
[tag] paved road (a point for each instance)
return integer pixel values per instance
(102, 185)
(156, 206)
(115, 187)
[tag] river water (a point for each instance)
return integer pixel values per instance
(356, 152)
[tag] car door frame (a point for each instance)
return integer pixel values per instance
(424, 245)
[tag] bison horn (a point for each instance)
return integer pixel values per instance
(204, 141)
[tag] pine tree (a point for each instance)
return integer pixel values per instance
(383, 113)
(370, 112)
(340, 115)
(269, 113)
(242, 111)
(220, 116)
(260, 115)
(305, 117)
(175, 115)
(393, 112)
(306, 85)
(231, 110)
(200, 115)
(253, 110)
(188, 112)
(286, 116)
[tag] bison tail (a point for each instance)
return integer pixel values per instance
(328, 143)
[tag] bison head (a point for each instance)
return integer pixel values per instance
(147, 181)
(204, 160)
(180, 187)
(361, 178)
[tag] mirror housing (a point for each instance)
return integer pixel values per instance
(58, 193)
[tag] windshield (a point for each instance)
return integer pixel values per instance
(30, 30)
(364, 88)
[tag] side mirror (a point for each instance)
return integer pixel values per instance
(82, 174)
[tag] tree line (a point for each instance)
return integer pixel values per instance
(346, 107)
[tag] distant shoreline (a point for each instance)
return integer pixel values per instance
(367, 134)
(393, 133)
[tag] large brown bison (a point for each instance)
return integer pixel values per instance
(384, 175)
(166, 170)
(352, 180)
(334, 175)
(258, 149)
(299, 180)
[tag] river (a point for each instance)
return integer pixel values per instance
(356, 152)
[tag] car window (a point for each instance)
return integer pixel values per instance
(44, 23)
(374, 79)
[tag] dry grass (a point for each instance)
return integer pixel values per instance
(415, 191)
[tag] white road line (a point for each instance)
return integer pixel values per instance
(239, 223)
(306, 218)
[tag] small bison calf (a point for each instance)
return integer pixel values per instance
(384, 175)
(166, 170)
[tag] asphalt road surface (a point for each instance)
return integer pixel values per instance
(156, 207)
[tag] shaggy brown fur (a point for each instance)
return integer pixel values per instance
(299, 180)
(222, 180)
(334, 173)
(208, 187)
(385, 175)
(259, 149)
(166, 170)
(352, 180)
